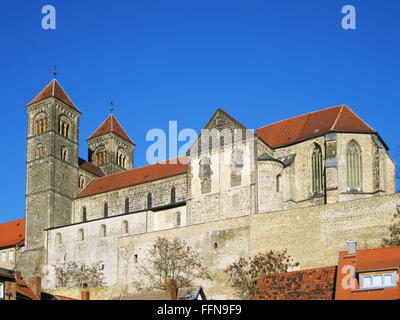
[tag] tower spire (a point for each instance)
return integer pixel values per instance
(111, 108)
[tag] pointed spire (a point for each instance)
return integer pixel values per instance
(111, 125)
(54, 89)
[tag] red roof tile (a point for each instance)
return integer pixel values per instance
(54, 89)
(339, 118)
(12, 233)
(111, 124)
(90, 168)
(312, 284)
(135, 176)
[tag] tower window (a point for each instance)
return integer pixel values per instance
(353, 158)
(149, 201)
(41, 125)
(316, 170)
(100, 158)
(39, 151)
(121, 158)
(81, 182)
(173, 195)
(63, 126)
(106, 210)
(64, 154)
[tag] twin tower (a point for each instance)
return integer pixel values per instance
(53, 167)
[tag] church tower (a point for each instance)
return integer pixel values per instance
(51, 162)
(110, 148)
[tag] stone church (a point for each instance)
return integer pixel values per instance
(306, 184)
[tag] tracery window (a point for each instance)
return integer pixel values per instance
(353, 166)
(316, 170)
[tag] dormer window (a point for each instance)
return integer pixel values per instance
(378, 280)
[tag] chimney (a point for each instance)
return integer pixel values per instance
(85, 295)
(35, 284)
(171, 290)
(351, 247)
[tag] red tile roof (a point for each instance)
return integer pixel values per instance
(109, 125)
(90, 168)
(54, 89)
(363, 261)
(339, 118)
(135, 176)
(12, 233)
(312, 284)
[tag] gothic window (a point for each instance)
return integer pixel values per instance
(64, 153)
(58, 238)
(81, 182)
(103, 231)
(205, 175)
(81, 235)
(236, 168)
(127, 205)
(39, 151)
(100, 157)
(84, 214)
(178, 219)
(121, 158)
(41, 123)
(105, 209)
(353, 166)
(64, 126)
(278, 183)
(124, 227)
(173, 195)
(149, 201)
(238, 161)
(316, 170)
(205, 169)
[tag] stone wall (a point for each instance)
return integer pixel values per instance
(312, 235)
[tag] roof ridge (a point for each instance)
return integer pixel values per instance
(301, 115)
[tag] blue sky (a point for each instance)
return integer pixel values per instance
(261, 61)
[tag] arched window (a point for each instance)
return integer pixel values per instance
(64, 126)
(178, 219)
(100, 157)
(105, 209)
(39, 151)
(127, 205)
(149, 201)
(237, 162)
(121, 158)
(103, 231)
(316, 168)
(353, 166)
(205, 169)
(124, 227)
(41, 123)
(278, 183)
(81, 182)
(173, 195)
(81, 235)
(58, 238)
(84, 214)
(64, 153)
